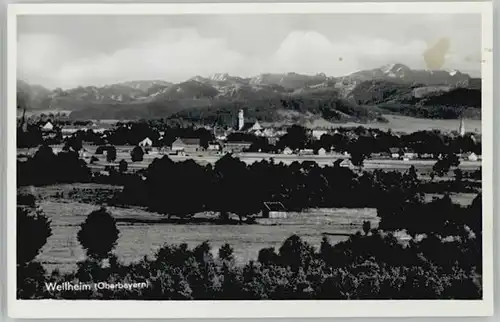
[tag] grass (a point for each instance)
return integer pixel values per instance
(143, 232)
(142, 238)
(463, 199)
(249, 158)
(50, 191)
(406, 124)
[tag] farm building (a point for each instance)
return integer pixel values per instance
(68, 131)
(219, 134)
(318, 133)
(273, 209)
(186, 145)
(269, 132)
(48, 127)
(99, 130)
(56, 149)
(236, 147)
(272, 140)
(425, 156)
(147, 142)
(409, 155)
(83, 154)
(287, 151)
(471, 157)
(213, 146)
(306, 152)
(394, 152)
(322, 151)
(343, 163)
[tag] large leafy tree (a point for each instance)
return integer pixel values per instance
(137, 154)
(98, 234)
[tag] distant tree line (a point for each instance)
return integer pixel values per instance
(430, 112)
(47, 167)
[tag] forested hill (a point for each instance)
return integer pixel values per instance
(362, 96)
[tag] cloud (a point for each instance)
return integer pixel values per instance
(313, 52)
(39, 56)
(176, 54)
(169, 54)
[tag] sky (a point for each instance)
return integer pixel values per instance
(80, 50)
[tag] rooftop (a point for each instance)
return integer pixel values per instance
(187, 141)
(274, 206)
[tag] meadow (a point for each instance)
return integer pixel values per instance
(407, 124)
(143, 232)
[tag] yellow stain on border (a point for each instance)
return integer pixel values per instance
(435, 55)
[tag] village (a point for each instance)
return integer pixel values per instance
(250, 141)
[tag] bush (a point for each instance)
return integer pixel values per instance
(374, 266)
(48, 168)
(123, 166)
(98, 234)
(31, 277)
(26, 200)
(33, 229)
(296, 253)
(111, 154)
(226, 253)
(137, 154)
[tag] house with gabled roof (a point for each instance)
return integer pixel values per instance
(146, 143)
(48, 126)
(343, 163)
(186, 145)
(395, 153)
(250, 127)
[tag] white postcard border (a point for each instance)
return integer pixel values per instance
(255, 309)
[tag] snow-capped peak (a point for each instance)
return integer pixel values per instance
(387, 68)
(220, 77)
(395, 70)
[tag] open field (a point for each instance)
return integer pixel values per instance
(249, 158)
(463, 199)
(406, 124)
(123, 152)
(143, 232)
(138, 239)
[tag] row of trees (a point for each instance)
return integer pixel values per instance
(367, 141)
(46, 167)
(375, 265)
(231, 187)
(232, 184)
(298, 185)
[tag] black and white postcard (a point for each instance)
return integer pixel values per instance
(250, 160)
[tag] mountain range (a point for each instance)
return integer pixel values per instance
(360, 96)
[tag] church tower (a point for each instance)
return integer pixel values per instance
(241, 120)
(461, 129)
